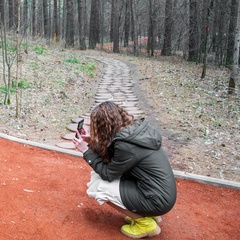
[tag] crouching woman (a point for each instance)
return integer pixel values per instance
(131, 172)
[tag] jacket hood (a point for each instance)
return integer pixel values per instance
(141, 134)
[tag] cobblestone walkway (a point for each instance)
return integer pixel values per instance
(116, 85)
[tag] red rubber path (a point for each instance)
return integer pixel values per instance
(42, 196)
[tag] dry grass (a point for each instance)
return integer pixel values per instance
(200, 123)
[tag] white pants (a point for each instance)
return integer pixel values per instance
(104, 191)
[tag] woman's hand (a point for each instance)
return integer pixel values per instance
(85, 135)
(79, 143)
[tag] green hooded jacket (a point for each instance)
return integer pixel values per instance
(147, 183)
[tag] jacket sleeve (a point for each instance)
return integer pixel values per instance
(122, 161)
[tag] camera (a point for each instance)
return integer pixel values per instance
(79, 127)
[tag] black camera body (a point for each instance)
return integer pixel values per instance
(79, 127)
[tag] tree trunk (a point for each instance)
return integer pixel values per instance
(193, 34)
(55, 21)
(45, 18)
(81, 14)
(69, 24)
(234, 81)
(209, 13)
(15, 13)
(150, 43)
(112, 20)
(219, 34)
(94, 24)
(134, 28)
(116, 15)
(34, 27)
(2, 9)
(167, 42)
(11, 14)
(17, 50)
(50, 33)
(127, 23)
(25, 16)
(231, 30)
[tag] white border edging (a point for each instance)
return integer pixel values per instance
(207, 180)
(177, 174)
(41, 145)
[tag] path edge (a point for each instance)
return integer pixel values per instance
(177, 174)
(41, 145)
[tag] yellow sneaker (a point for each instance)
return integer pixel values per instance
(157, 219)
(141, 227)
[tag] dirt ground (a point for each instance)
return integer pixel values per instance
(43, 196)
(200, 124)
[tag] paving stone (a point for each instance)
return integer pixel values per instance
(72, 127)
(68, 136)
(137, 112)
(127, 104)
(76, 120)
(132, 108)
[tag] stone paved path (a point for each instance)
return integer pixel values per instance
(116, 85)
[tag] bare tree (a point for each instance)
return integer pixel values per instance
(70, 24)
(9, 55)
(2, 10)
(34, 24)
(231, 31)
(167, 42)
(193, 32)
(112, 20)
(94, 24)
(116, 14)
(151, 27)
(55, 21)
(127, 22)
(134, 28)
(18, 56)
(81, 22)
(45, 18)
(220, 28)
(25, 17)
(209, 13)
(234, 80)
(11, 13)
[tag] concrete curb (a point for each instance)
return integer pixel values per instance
(207, 180)
(41, 145)
(177, 174)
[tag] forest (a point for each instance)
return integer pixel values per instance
(197, 30)
(204, 32)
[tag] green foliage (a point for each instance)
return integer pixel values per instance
(72, 60)
(21, 84)
(34, 64)
(88, 67)
(4, 89)
(11, 46)
(59, 82)
(39, 49)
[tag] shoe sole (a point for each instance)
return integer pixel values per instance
(155, 232)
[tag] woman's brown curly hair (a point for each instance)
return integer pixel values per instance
(105, 121)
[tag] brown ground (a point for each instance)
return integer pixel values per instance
(42, 195)
(200, 124)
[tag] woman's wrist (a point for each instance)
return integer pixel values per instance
(84, 150)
